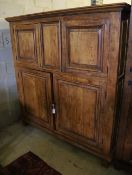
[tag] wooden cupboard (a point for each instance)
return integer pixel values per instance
(70, 68)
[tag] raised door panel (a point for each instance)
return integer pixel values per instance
(27, 44)
(79, 104)
(85, 44)
(36, 96)
(51, 44)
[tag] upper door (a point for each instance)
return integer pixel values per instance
(35, 95)
(85, 44)
(26, 44)
(51, 45)
(81, 106)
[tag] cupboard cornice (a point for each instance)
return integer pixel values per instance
(81, 10)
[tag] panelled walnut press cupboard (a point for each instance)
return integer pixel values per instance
(70, 68)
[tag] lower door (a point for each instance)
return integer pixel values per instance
(35, 96)
(80, 103)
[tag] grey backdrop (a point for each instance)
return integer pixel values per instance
(9, 105)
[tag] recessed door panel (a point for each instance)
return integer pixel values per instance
(76, 109)
(26, 46)
(83, 46)
(51, 45)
